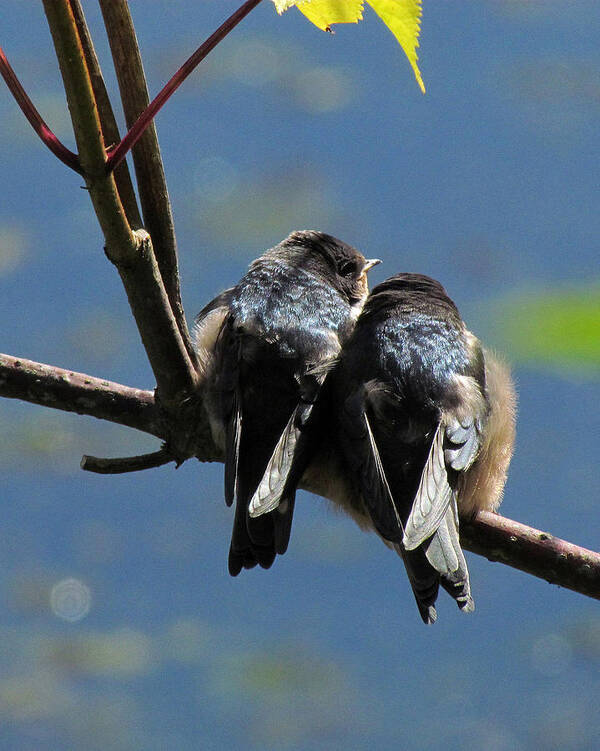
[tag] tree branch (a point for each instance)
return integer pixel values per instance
(174, 371)
(127, 464)
(175, 82)
(147, 159)
(130, 251)
(110, 129)
(86, 124)
(535, 552)
(76, 392)
(490, 535)
(35, 119)
(139, 115)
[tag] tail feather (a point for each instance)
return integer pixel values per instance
(424, 580)
(444, 553)
(282, 523)
(440, 548)
(440, 560)
(252, 541)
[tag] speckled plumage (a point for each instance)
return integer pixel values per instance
(265, 346)
(425, 424)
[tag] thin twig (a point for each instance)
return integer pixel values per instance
(118, 153)
(35, 119)
(531, 550)
(126, 464)
(147, 159)
(110, 129)
(86, 125)
(131, 252)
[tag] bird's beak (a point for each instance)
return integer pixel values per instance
(370, 262)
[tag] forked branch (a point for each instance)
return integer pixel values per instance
(131, 251)
(118, 153)
(110, 130)
(147, 159)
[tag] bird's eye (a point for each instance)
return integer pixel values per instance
(347, 268)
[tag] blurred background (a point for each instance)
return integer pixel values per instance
(120, 628)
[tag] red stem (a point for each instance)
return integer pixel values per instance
(118, 153)
(34, 117)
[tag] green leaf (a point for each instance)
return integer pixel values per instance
(403, 19)
(324, 13)
(282, 5)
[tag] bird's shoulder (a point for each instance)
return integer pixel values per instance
(288, 307)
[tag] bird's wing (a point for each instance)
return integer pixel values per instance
(232, 448)
(207, 327)
(424, 581)
(292, 452)
(454, 446)
(276, 492)
(434, 519)
(444, 553)
(433, 495)
(231, 406)
(356, 433)
(252, 540)
(440, 561)
(462, 440)
(269, 492)
(266, 449)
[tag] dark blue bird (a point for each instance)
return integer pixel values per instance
(424, 422)
(265, 347)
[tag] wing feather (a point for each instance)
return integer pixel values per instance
(269, 492)
(446, 556)
(291, 454)
(367, 467)
(455, 446)
(232, 450)
(231, 406)
(462, 442)
(432, 498)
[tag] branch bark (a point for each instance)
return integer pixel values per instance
(69, 391)
(131, 252)
(495, 537)
(36, 121)
(147, 159)
(533, 551)
(110, 130)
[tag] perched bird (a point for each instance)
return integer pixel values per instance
(424, 425)
(265, 346)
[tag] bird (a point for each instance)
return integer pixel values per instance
(264, 349)
(423, 427)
